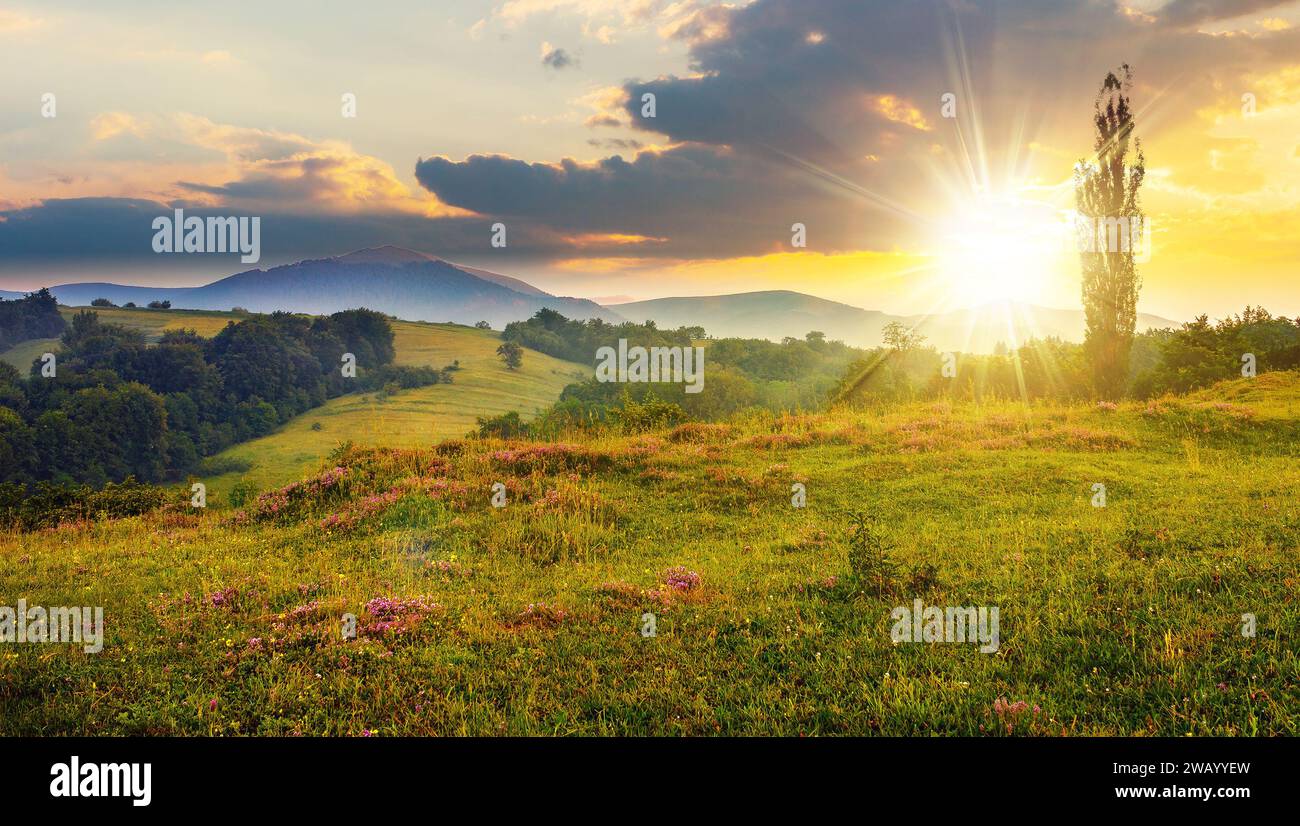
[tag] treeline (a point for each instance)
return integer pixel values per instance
(1195, 355)
(573, 340)
(739, 374)
(118, 408)
(32, 316)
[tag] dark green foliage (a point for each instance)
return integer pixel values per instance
(120, 407)
(739, 373)
(512, 354)
(404, 377)
(51, 503)
(505, 426)
(650, 413)
(33, 316)
(1200, 353)
(1197, 355)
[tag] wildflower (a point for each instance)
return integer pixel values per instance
(680, 579)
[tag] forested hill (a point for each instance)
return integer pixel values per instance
(29, 317)
(116, 406)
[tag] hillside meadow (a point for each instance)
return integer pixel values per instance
(482, 387)
(768, 619)
(409, 418)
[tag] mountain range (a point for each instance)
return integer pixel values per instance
(776, 314)
(403, 283)
(419, 287)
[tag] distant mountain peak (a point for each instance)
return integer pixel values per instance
(387, 254)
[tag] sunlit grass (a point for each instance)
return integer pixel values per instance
(1123, 620)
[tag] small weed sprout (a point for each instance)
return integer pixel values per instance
(869, 562)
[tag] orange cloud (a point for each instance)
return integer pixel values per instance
(900, 111)
(599, 239)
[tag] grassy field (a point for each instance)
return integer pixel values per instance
(407, 419)
(483, 386)
(527, 619)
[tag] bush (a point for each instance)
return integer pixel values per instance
(241, 493)
(51, 503)
(505, 426)
(651, 413)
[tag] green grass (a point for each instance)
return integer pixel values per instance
(1123, 620)
(412, 418)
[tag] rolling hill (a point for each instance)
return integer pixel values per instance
(404, 283)
(410, 418)
(416, 286)
(776, 314)
(526, 620)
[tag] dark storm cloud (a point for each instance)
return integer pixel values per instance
(556, 58)
(829, 111)
(67, 240)
(688, 195)
(799, 76)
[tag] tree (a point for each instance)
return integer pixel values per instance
(160, 305)
(512, 354)
(899, 338)
(482, 325)
(102, 302)
(1106, 198)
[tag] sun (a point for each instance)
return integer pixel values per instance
(1000, 250)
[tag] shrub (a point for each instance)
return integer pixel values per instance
(869, 561)
(241, 493)
(505, 426)
(651, 413)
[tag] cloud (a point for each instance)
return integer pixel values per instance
(1186, 13)
(191, 158)
(74, 239)
(269, 169)
(555, 57)
(830, 114)
(111, 124)
(609, 102)
(615, 143)
(699, 200)
(607, 20)
(12, 21)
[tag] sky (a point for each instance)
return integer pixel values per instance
(926, 147)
